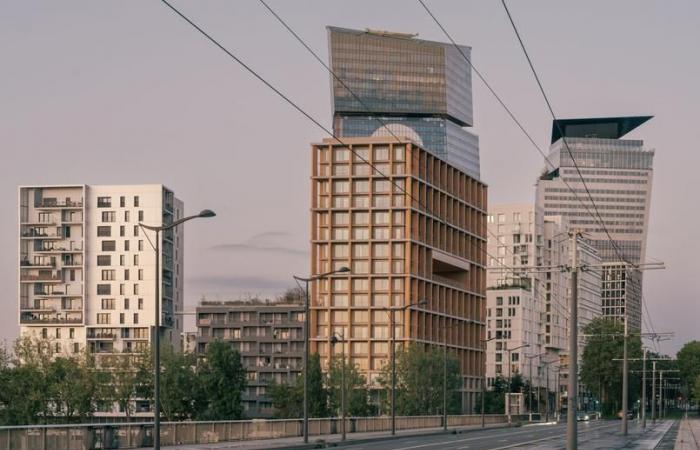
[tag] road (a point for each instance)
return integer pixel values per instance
(597, 434)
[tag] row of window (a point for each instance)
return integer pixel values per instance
(106, 202)
(111, 216)
(111, 246)
(106, 260)
(106, 289)
(106, 318)
(110, 303)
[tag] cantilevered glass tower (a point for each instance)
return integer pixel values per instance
(618, 173)
(407, 87)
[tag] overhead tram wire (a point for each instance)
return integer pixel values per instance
(312, 119)
(597, 216)
(559, 129)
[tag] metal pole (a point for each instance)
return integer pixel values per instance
(156, 351)
(539, 389)
(306, 365)
(653, 392)
(557, 396)
(510, 366)
(529, 392)
(444, 385)
(342, 391)
(644, 389)
(625, 380)
(393, 374)
(662, 412)
(572, 397)
(546, 407)
(483, 393)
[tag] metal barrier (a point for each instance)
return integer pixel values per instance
(134, 435)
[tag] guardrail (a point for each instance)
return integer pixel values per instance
(135, 435)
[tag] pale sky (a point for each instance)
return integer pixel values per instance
(126, 92)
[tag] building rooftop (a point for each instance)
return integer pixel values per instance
(600, 127)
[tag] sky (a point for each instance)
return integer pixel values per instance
(128, 93)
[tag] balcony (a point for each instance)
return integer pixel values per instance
(44, 236)
(35, 319)
(52, 203)
(30, 278)
(59, 250)
(26, 264)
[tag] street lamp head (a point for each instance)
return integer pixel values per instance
(343, 269)
(334, 339)
(206, 213)
(421, 302)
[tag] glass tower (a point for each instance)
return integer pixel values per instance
(407, 87)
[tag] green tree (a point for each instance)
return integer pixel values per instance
(179, 386)
(72, 387)
(222, 378)
(419, 381)
(601, 369)
(356, 391)
(688, 358)
(288, 398)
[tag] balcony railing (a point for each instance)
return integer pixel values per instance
(54, 203)
(42, 278)
(49, 320)
(29, 264)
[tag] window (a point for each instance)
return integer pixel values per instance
(107, 303)
(382, 186)
(126, 274)
(121, 318)
(140, 246)
(108, 275)
(136, 289)
(109, 246)
(127, 216)
(122, 231)
(136, 230)
(108, 216)
(136, 260)
(140, 216)
(104, 260)
(122, 201)
(126, 303)
(136, 201)
(104, 231)
(360, 250)
(381, 153)
(361, 186)
(104, 289)
(140, 274)
(104, 202)
(122, 260)
(126, 245)
(140, 306)
(58, 333)
(380, 218)
(71, 333)
(44, 333)
(76, 347)
(103, 318)
(341, 187)
(136, 318)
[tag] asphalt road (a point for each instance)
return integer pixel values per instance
(495, 439)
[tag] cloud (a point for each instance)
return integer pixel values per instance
(266, 242)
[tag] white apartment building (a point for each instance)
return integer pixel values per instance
(87, 270)
(529, 308)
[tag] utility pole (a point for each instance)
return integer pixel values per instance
(572, 397)
(661, 394)
(644, 390)
(653, 391)
(625, 378)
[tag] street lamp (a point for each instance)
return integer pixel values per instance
(308, 280)
(334, 340)
(529, 391)
(483, 383)
(391, 311)
(156, 341)
(510, 376)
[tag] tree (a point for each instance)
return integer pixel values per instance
(223, 380)
(688, 358)
(72, 387)
(494, 399)
(127, 379)
(288, 399)
(179, 388)
(356, 392)
(419, 381)
(601, 369)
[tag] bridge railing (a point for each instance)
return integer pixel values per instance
(136, 435)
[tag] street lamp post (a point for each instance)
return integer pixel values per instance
(156, 338)
(483, 383)
(510, 376)
(306, 281)
(334, 340)
(529, 390)
(391, 311)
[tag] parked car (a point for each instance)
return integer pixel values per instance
(583, 417)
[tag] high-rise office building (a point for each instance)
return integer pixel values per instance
(618, 174)
(407, 87)
(87, 270)
(399, 252)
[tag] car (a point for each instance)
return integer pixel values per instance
(593, 415)
(583, 417)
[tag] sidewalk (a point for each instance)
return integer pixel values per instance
(688, 435)
(298, 442)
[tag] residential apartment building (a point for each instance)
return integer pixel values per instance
(405, 87)
(270, 338)
(618, 174)
(528, 292)
(87, 270)
(410, 229)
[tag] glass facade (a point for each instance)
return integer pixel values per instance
(421, 89)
